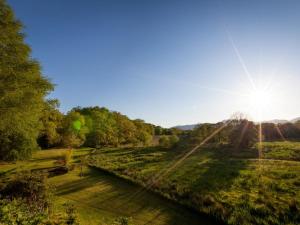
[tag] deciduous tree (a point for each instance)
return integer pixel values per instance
(22, 90)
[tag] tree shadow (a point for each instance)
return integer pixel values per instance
(219, 175)
(220, 171)
(105, 192)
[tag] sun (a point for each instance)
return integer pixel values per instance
(260, 98)
(259, 101)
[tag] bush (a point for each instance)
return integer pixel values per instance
(164, 141)
(30, 187)
(27, 199)
(168, 141)
(173, 140)
(17, 212)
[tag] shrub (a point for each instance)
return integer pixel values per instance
(31, 187)
(164, 141)
(173, 140)
(168, 141)
(17, 212)
(27, 199)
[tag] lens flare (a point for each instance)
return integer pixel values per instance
(76, 125)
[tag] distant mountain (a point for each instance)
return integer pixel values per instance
(275, 121)
(186, 127)
(295, 120)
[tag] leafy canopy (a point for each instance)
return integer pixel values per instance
(22, 90)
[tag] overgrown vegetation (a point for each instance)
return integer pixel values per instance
(27, 198)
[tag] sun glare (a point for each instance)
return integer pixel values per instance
(259, 101)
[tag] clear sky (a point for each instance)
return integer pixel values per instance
(169, 62)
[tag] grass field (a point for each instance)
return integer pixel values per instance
(235, 187)
(100, 198)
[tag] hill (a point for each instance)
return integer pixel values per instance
(295, 120)
(186, 127)
(275, 121)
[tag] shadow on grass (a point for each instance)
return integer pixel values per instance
(104, 191)
(6, 172)
(221, 170)
(201, 176)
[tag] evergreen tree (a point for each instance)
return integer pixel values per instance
(22, 90)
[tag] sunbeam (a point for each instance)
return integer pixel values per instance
(241, 60)
(279, 132)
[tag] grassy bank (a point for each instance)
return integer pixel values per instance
(101, 198)
(234, 186)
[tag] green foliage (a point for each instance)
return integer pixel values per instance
(31, 187)
(173, 139)
(17, 212)
(168, 141)
(164, 141)
(26, 199)
(243, 135)
(49, 135)
(22, 90)
(126, 129)
(102, 127)
(108, 128)
(144, 132)
(74, 130)
(203, 131)
(280, 132)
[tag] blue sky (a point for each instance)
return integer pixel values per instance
(168, 62)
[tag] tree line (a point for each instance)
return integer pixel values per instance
(91, 127)
(241, 133)
(28, 120)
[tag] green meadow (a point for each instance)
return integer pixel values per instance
(101, 198)
(235, 187)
